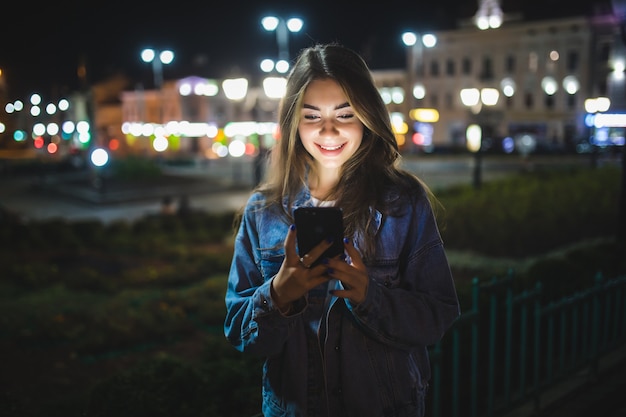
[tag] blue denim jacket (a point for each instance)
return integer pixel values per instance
(331, 358)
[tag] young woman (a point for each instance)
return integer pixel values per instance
(347, 337)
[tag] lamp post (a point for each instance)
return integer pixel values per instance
(489, 15)
(415, 44)
(593, 106)
(282, 29)
(158, 59)
(475, 99)
(235, 90)
(414, 60)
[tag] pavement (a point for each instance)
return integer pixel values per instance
(79, 196)
(588, 393)
(215, 186)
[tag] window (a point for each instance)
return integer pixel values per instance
(571, 101)
(604, 53)
(466, 66)
(487, 69)
(528, 100)
(434, 68)
(509, 64)
(573, 59)
(450, 70)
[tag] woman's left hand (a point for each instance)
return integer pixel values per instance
(352, 275)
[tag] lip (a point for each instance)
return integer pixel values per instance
(331, 148)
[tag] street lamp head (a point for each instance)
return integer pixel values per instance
(470, 96)
(270, 23)
(410, 38)
(267, 65)
(275, 87)
(147, 55)
(166, 56)
(295, 24)
(489, 15)
(429, 40)
(235, 88)
(489, 96)
(282, 66)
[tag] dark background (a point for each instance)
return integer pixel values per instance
(43, 44)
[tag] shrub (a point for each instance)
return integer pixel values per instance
(530, 214)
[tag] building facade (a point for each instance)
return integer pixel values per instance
(542, 71)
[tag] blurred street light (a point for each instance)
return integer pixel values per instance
(235, 88)
(282, 29)
(415, 90)
(489, 15)
(158, 59)
(415, 44)
(474, 99)
(269, 65)
(274, 87)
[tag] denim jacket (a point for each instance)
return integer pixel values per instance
(328, 357)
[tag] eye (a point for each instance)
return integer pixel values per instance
(346, 116)
(311, 116)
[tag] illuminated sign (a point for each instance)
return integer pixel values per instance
(606, 120)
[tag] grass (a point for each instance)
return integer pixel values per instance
(125, 319)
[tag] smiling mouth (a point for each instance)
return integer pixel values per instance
(331, 148)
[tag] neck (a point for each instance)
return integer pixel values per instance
(322, 183)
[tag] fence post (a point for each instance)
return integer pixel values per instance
(537, 348)
(595, 327)
(508, 331)
(475, 337)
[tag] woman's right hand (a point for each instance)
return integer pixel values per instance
(295, 277)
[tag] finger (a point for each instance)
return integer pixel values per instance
(290, 245)
(354, 254)
(319, 249)
(306, 261)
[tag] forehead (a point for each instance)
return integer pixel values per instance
(324, 90)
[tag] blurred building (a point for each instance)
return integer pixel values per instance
(539, 74)
(197, 118)
(542, 72)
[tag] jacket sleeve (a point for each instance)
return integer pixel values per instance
(253, 323)
(416, 307)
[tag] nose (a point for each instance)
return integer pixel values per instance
(328, 126)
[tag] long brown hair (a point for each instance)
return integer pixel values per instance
(368, 173)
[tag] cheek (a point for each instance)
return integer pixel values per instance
(306, 138)
(356, 135)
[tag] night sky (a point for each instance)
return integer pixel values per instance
(41, 47)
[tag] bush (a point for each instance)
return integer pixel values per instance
(531, 214)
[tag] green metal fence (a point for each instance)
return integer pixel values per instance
(511, 346)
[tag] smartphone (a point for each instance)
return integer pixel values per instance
(315, 224)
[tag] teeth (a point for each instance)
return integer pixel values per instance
(330, 148)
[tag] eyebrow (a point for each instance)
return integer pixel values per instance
(341, 106)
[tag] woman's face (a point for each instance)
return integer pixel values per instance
(329, 129)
